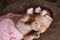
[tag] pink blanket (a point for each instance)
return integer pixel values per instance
(8, 30)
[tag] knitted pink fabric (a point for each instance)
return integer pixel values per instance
(8, 30)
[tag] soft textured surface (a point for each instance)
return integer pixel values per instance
(8, 30)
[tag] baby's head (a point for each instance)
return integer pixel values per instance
(39, 21)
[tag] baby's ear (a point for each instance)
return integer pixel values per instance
(30, 11)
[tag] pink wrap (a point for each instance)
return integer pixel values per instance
(8, 30)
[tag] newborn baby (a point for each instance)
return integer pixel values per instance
(27, 26)
(34, 23)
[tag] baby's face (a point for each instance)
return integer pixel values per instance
(36, 20)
